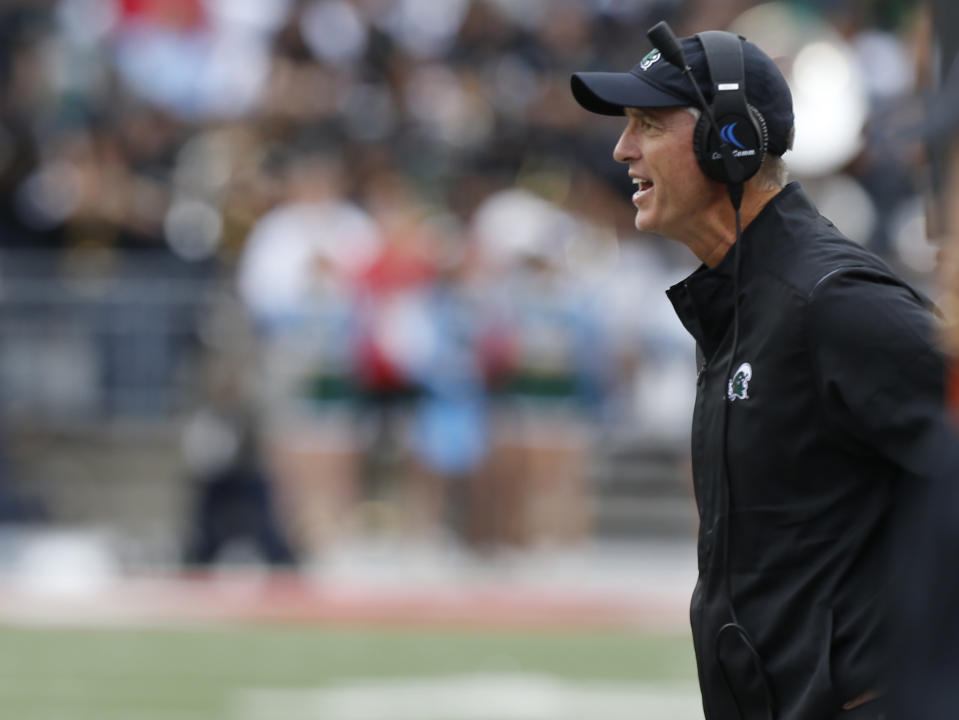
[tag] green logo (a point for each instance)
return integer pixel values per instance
(738, 387)
(651, 57)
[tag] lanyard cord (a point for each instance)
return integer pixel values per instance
(735, 194)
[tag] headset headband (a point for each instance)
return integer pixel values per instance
(727, 74)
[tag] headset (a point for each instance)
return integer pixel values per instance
(730, 138)
(730, 141)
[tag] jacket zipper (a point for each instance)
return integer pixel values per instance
(701, 373)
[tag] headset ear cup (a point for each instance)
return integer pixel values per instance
(706, 145)
(703, 149)
(762, 133)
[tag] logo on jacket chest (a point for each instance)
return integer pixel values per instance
(738, 385)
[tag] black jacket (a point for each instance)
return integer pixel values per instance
(834, 405)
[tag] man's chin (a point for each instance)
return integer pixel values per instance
(644, 223)
(649, 228)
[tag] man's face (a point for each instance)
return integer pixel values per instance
(671, 190)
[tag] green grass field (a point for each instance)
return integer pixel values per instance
(210, 673)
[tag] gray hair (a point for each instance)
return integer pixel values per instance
(773, 173)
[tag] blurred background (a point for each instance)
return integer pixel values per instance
(331, 314)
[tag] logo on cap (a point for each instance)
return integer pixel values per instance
(651, 57)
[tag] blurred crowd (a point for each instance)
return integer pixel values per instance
(419, 227)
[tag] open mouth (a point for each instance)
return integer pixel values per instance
(643, 186)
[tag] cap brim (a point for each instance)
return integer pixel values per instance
(607, 93)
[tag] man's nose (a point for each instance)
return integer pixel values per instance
(626, 148)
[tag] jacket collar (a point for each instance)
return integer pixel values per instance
(704, 300)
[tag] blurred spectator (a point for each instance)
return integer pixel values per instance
(234, 515)
(450, 425)
(536, 489)
(197, 59)
(314, 222)
(297, 277)
(392, 334)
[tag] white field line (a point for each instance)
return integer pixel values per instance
(472, 697)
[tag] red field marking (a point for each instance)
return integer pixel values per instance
(281, 598)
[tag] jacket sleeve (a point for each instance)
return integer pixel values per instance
(879, 373)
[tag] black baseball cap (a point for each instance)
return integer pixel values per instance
(653, 82)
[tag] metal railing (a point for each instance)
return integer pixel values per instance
(83, 340)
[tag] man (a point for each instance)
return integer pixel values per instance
(819, 395)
